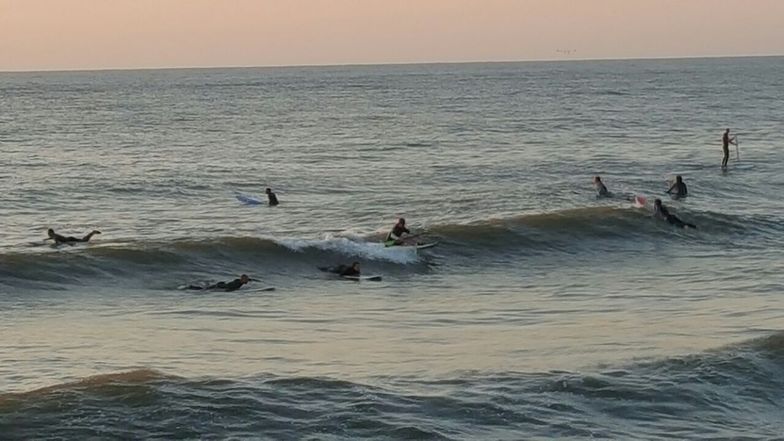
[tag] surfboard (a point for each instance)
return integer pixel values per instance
(248, 200)
(359, 278)
(419, 246)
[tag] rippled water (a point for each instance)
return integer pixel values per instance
(543, 313)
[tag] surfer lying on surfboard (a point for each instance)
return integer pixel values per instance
(661, 212)
(343, 270)
(70, 240)
(224, 286)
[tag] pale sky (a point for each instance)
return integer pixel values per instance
(91, 34)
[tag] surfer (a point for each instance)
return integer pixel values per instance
(273, 199)
(395, 236)
(344, 270)
(726, 140)
(601, 189)
(70, 240)
(661, 212)
(678, 189)
(225, 286)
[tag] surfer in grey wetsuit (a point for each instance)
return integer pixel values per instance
(661, 212)
(395, 237)
(273, 199)
(678, 189)
(70, 240)
(344, 270)
(224, 286)
(601, 189)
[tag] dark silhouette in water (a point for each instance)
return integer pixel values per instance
(678, 189)
(601, 189)
(661, 212)
(344, 270)
(70, 240)
(273, 199)
(224, 286)
(726, 140)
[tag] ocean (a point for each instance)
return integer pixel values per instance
(543, 313)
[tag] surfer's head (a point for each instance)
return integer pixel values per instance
(657, 203)
(244, 279)
(401, 221)
(355, 265)
(268, 191)
(678, 179)
(50, 232)
(597, 179)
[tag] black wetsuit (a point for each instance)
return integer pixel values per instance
(342, 270)
(225, 286)
(726, 147)
(663, 213)
(348, 271)
(397, 233)
(273, 199)
(58, 239)
(678, 190)
(602, 190)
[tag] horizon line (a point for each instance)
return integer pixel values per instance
(369, 64)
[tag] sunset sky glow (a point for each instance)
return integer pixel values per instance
(90, 34)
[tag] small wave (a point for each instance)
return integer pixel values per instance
(738, 389)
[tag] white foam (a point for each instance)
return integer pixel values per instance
(367, 250)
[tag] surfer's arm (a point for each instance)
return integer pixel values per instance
(671, 189)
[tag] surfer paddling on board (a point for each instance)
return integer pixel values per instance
(70, 240)
(224, 286)
(678, 189)
(601, 189)
(273, 199)
(395, 237)
(344, 270)
(661, 212)
(726, 140)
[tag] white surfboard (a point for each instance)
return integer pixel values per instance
(359, 278)
(248, 200)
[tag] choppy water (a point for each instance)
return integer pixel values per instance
(543, 313)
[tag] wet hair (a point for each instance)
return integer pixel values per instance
(679, 178)
(597, 178)
(401, 221)
(268, 190)
(657, 202)
(244, 277)
(50, 232)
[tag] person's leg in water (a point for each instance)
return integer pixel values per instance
(89, 236)
(726, 158)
